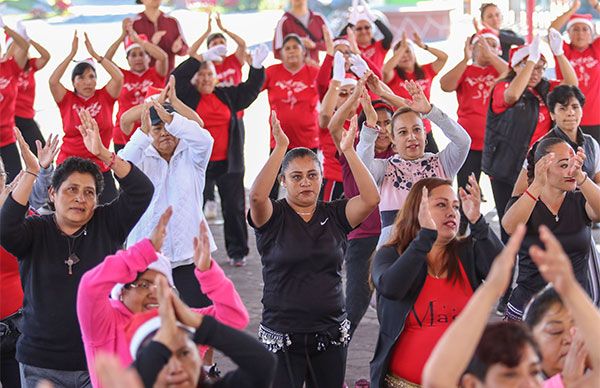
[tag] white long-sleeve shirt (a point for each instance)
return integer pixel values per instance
(178, 183)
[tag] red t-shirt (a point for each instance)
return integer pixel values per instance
(229, 72)
(100, 106)
(9, 71)
(133, 93)
(397, 86)
(295, 97)
(216, 116)
(473, 95)
(587, 67)
(436, 307)
(26, 91)
(11, 292)
(332, 169)
(544, 122)
(375, 52)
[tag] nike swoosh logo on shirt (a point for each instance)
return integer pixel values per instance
(324, 222)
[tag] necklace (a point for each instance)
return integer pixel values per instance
(72, 259)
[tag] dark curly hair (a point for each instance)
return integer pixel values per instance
(562, 94)
(75, 164)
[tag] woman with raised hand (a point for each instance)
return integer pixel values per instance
(425, 275)
(128, 276)
(403, 66)
(24, 111)
(166, 352)
(99, 104)
(396, 175)
(473, 85)
(139, 78)
(552, 199)
(362, 21)
(517, 117)
(492, 18)
(229, 67)
(583, 52)
(292, 87)
(55, 250)
(301, 242)
(219, 106)
(10, 69)
(505, 354)
(173, 150)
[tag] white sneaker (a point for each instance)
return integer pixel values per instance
(210, 210)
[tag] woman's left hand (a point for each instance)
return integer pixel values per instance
(418, 41)
(47, 153)
(202, 248)
(576, 165)
(470, 197)
(90, 48)
(31, 162)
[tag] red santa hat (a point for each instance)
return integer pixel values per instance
(130, 44)
(341, 40)
(486, 33)
(89, 61)
(152, 93)
(581, 18)
(517, 54)
(142, 328)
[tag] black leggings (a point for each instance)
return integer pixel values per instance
(302, 362)
(31, 132)
(12, 161)
(188, 287)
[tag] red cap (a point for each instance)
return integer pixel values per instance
(580, 18)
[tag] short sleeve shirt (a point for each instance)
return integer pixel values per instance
(100, 106)
(302, 264)
(26, 91)
(544, 122)
(132, 94)
(397, 86)
(573, 231)
(587, 67)
(294, 96)
(9, 73)
(473, 95)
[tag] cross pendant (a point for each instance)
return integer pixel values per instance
(71, 260)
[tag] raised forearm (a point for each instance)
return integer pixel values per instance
(327, 108)
(569, 76)
(449, 82)
(520, 211)
(112, 49)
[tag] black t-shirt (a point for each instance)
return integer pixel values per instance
(573, 231)
(302, 264)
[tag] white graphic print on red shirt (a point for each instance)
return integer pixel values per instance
(140, 90)
(482, 86)
(93, 109)
(291, 87)
(582, 66)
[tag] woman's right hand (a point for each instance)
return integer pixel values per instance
(541, 170)
(425, 219)
(31, 162)
(281, 139)
(74, 45)
(468, 50)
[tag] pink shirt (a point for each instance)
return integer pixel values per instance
(103, 320)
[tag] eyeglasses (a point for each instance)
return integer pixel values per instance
(146, 285)
(539, 69)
